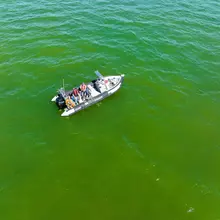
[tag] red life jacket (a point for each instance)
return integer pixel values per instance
(75, 92)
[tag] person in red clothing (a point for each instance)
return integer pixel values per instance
(84, 90)
(83, 87)
(75, 92)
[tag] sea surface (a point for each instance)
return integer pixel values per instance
(150, 151)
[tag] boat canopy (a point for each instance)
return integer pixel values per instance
(99, 74)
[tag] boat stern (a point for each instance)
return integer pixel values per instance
(54, 98)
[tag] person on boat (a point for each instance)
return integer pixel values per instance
(83, 87)
(75, 92)
(88, 92)
(75, 99)
(69, 102)
(85, 90)
(82, 90)
(81, 94)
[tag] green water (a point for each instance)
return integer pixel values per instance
(151, 151)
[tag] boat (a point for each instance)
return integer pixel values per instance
(96, 90)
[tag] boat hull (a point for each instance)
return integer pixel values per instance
(93, 100)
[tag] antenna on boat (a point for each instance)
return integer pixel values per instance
(63, 84)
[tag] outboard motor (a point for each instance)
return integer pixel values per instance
(60, 101)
